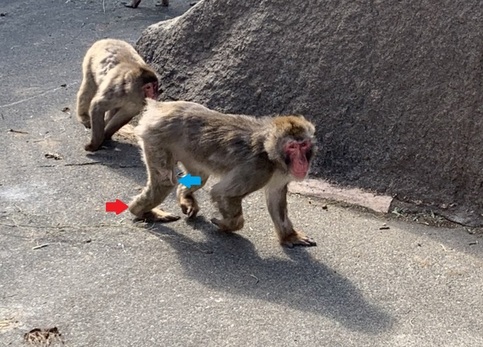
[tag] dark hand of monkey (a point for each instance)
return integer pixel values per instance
(189, 206)
(298, 239)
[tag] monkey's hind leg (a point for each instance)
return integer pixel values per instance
(186, 199)
(161, 181)
(85, 94)
(110, 114)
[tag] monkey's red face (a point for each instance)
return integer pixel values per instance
(151, 90)
(297, 157)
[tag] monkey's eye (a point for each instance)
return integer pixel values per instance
(292, 146)
(304, 145)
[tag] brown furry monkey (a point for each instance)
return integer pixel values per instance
(135, 3)
(115, 83)
(247, 153)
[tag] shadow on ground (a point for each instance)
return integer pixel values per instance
(300, 283)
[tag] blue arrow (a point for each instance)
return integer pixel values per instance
(189, 180)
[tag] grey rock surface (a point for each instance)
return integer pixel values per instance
(395, 88)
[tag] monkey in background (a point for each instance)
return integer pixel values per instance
(115, 83)
(247, 153)
(135, 3)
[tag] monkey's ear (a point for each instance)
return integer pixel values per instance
(148, 76)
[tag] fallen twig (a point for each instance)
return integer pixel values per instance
(40, 246)
(83, 164)
(73, 164)
(17, 131)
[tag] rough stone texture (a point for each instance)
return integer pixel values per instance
(351, 196)
(395, 87)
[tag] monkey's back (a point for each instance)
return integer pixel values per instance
(104, 55)
(193, 132)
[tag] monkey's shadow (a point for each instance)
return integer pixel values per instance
(229, 262)
(121, 155)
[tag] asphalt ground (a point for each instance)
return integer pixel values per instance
(102, 280)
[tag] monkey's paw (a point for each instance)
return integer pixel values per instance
(90, 147)
(85, 120)
(297, 238)
(189, 206)
(157, 215)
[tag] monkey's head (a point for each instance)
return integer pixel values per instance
(150, 90)
(150, 83)
(292, 144)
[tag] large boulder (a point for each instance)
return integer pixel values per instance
(394, 87)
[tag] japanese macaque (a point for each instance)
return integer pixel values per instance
(247, 153)
(115, 83)
(135, 3)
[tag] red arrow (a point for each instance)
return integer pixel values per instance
(116, 206)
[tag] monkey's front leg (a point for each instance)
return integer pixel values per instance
(227, 195)
(97, 111)
(229, 192)
(276, 197)
(117, 120)
(231, 210)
